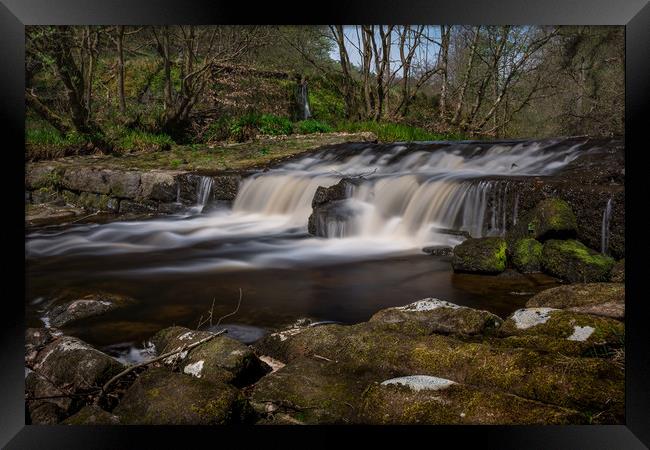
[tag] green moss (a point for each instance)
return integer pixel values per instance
(483, 255)
(574, 262)
(527, 255)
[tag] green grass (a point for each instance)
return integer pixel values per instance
(310, 126)
(394, 132)
(137, 140)
(48, 136)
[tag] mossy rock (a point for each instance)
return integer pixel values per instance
(552, 218)
(161, 397)
(583, 384)
(457, 404)
(602, 299)
(428, 316)
(563, 324)
(88, 305)
(541, 343)
(92, 415)
(527, 255)
(482, 255)
(221, 359)
(572, 261)
(310, 391)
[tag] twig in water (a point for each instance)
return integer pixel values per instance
(232, 313)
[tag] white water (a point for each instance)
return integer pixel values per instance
(404, 200)
(604, 230)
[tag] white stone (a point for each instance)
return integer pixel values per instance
(273, 363)
(421, 382)
(428, 304)
(529, 317)
(194, 369)
(581, 333)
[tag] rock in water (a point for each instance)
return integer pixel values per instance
(574, 262)
(481, 255)
(87, 306)
(527, 255)
(552, 218)
(161, 397)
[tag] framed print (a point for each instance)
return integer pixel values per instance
(388, 218)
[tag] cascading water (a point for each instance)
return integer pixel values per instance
(203, 192)
(304, 101)
(405, 197)
(604, 235)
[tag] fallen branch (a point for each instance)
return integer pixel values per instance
(156, 359)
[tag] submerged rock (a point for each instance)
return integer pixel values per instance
(446, 402)
(221, 359)
(601, 299)
(527, 255)
(431, 315)
(482, 255)
(161, 397)
(574, 262)
(87, 306)
(438, 250)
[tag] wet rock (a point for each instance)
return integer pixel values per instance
(481, 255)
(309, 391)
(87, 306)
(97, 202)
(438, 250)
(431, 315)
(73, 365)
(225, 187)
(139, 207)
(618, 272)
(572, 261)
(44, 195)
(35, 340)
(563, 324)
(52, 401)
(339, 191)
(158, 186)
(92, 415)
(605, 299)
(527, 255)
(552, 218)
(221, 359)
(436, 401)
(46, 413)
(161, 397)
(47, 214)
(330, 209)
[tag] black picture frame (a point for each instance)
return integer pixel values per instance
(15, 14)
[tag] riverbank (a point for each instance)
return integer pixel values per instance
(429, 362)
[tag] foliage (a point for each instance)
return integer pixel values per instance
(312, 126)
(389, 132)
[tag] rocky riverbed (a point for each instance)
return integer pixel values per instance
(559, 360)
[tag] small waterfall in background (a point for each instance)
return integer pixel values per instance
(203, 192)
(304, 100)
(604, 239)
(516, 209)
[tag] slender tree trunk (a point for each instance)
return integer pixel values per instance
(120, 68)
(444, 34)
(466, 78)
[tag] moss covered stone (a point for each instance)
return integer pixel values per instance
(221, 359)
(457, 404)
(602, 299)
(482, 255)
(527, 255)
(92, 415)
(428, 316)
(551, 218)
(161, 397)
(573, 261)
(568, 325)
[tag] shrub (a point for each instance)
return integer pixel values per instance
(275, 125)
(138, 140)
(312, 126)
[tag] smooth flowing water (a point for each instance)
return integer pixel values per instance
(405, 198)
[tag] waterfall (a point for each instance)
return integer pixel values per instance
(604, 230)
(516, 209)
(203, 191)
(304, 100)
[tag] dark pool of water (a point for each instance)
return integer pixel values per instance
(346, 292)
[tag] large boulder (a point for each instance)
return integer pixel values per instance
(527, 255)
(481, 255)
(88, 305)
(221, 359)
(430, 315)
(329, 209)
(552, 218)
(601, 299)
(73, 365)
(161, 397)
(572, 261)
(427, 400)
